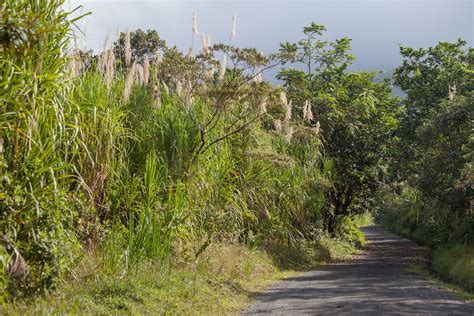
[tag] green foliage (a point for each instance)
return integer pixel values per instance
(356, 114)
(141, 170)
(363, 219)
(4, 258)
(407, 214)
(150, 164)
(347, 229)
(432, 149)
(37, 209)
(221, 281)
(142, 43)
(456, 264)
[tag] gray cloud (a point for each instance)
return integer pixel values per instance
(376, 27)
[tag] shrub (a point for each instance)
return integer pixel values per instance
(347, 230)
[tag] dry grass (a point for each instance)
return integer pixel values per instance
(224, 279)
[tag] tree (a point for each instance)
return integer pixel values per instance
(142, 43)
(227, 86)
(434, 148)
(323, 62)
(356, 113)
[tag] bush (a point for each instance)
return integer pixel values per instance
(347, 230)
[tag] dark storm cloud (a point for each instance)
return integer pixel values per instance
(376, 27)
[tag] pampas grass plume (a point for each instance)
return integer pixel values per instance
(289, 108)
(205, 47)
(102, 62)
(277, 125)
(127, 49)
(307, 112)
(223, 67)
(317, 128)
(146, 70)
(210, 71)
(234, 25)
(110, 67)
(139, 74)
(195, 27)
(129, 83)
(283, 99)
(289, 134)
(179, 88)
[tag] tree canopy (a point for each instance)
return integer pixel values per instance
(356, 114)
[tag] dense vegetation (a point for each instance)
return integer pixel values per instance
(145, 155)
(429, 191)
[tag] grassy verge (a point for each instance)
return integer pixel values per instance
(458, 291)
(223, 280)
(455, 263)
(452, 263)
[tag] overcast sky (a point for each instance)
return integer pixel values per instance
(376, 27)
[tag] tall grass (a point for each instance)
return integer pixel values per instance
(88, 166)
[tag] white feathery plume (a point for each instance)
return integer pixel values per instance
(307, 112)
(179, 88)
(127, 49)
(203, 42)
(316, 129)
(195, 26)
(234, 25)
(205, 47)
(188, 98)
(139, 74)
(288, 134)
(158, 100)
(289, 108)
(146, 70)
(110, 67)
(190, 52)
(103, 55)
(129, 83)
(277, 124)
(223, 67)
(283, 99)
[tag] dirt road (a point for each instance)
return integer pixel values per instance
(376, 282)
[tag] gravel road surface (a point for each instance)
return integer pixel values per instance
(375, 282)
